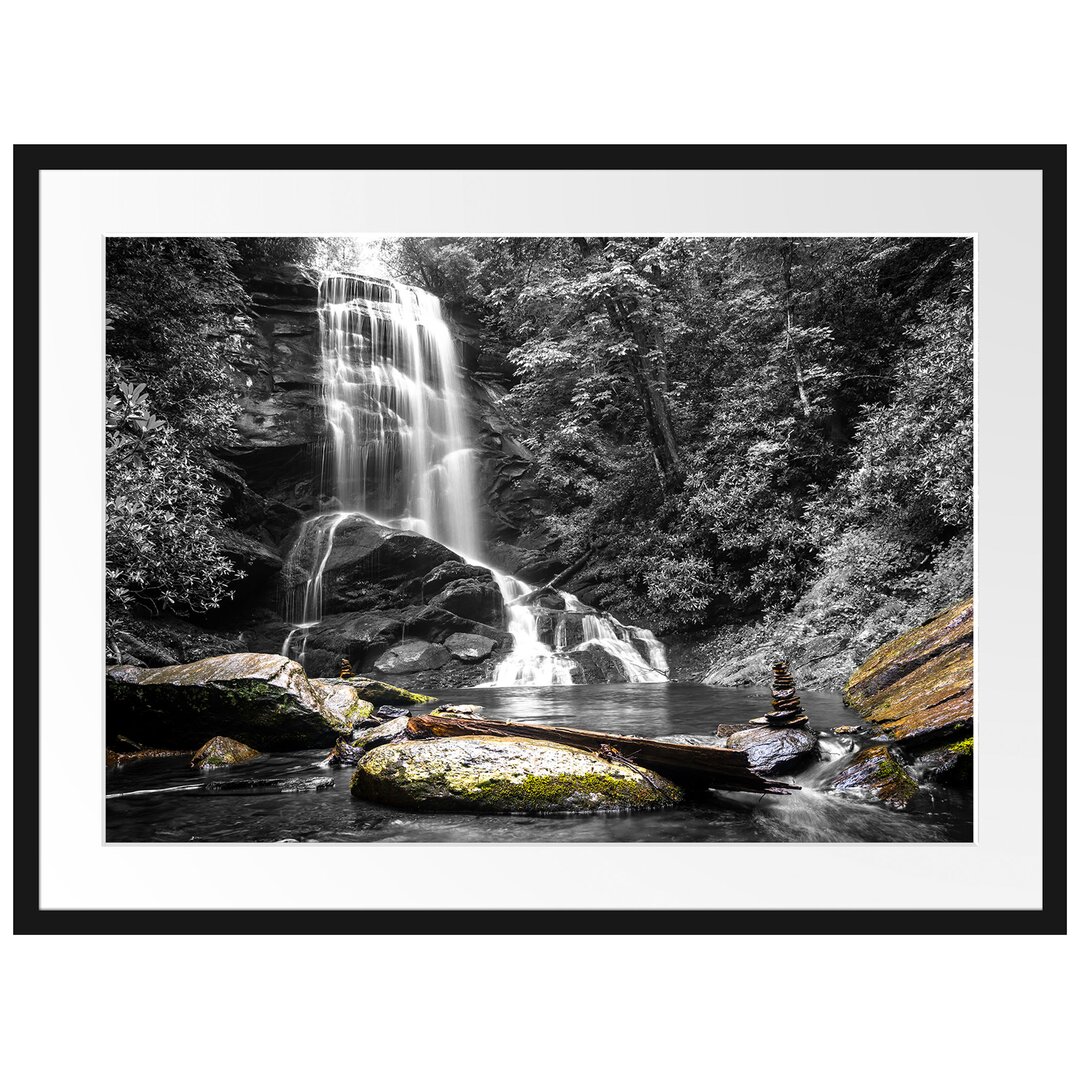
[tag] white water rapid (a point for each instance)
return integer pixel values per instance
(398, 452)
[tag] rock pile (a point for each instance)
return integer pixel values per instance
(787, 711)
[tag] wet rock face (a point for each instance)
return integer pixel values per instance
(369, 566)
(476, 600)
(505, 776)
(410, 657)
(280, 383)
(597, 665)
(952, 765)
(220, 752)
(770, 750)
(876, 775)
(259, 699)
(448, 571)
(469, 647)
(140, 640)
(919, 687)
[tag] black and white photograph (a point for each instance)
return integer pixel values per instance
(539, 538)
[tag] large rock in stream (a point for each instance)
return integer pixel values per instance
(221, 752)
(491, 775)
(260, 699)
(410, 657)
(772, 750)
(875, 775)
(918, 688)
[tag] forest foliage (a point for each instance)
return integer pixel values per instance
(177, 325)
(736, 428)
(174, 322)
(732, 429)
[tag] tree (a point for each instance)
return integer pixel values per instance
(175, 322)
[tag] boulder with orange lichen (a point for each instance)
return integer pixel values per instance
(918, 688)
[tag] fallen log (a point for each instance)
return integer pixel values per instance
(687, 765)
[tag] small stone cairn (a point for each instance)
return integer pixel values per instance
(787, 711)
(346, 671)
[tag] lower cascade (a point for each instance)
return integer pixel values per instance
(550, 641)
(397, 454)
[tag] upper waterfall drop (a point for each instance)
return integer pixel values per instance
(399, 451)
(395, 410)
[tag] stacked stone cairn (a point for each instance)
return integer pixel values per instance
(787, 711)
(346, 669)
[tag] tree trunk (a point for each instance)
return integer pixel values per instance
(789, 313)
(648, 385)
(688, 765)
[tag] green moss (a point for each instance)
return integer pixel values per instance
(965, 747)
(383, 693)
(415, 777)
(547, 794)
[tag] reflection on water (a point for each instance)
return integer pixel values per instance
(635, 709)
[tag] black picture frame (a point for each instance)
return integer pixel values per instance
(31, 160)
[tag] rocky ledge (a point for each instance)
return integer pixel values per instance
(918, 688)
(491, 775)
(259, 699)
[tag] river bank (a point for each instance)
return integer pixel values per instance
(812, 814)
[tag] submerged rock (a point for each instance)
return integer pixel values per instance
(260, 699)
(494, 775)
(410, 657)
(288, 785)
(875, 775)
(771, 749)
(918, 688)
(220, 752)
(114, 758)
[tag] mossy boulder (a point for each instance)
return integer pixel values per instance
(260, 699)
(771, 750)
(341, 697)
(384, 693)
(490, 775)
(876, 775)
(918, 688)
(220, 752)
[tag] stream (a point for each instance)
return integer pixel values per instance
(647, 709)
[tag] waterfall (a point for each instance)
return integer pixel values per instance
(395, 410)
(303, 603)
(533, 662)
(398, 451)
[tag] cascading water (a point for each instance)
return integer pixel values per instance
(395, 410)
(398, 452)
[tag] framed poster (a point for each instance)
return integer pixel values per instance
(540, 533)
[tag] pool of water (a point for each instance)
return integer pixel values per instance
(152, 809)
